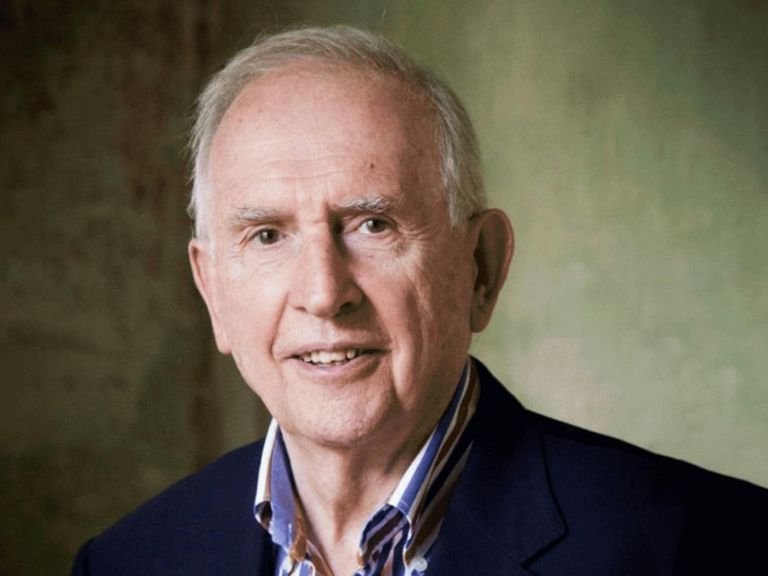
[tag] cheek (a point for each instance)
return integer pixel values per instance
(445, 283)
(249, 309)
(449, 299)
(424, 303)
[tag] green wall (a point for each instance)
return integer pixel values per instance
(628, 142)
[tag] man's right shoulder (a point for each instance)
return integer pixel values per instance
(204, 518)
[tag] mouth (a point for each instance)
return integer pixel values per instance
(331, 357)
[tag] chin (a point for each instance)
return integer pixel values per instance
(350, 429)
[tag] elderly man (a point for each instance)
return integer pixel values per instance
(345, 254)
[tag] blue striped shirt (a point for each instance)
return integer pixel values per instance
(399, 536)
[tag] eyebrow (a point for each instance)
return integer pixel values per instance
(247, 215)
(369, 204)
(242, 216)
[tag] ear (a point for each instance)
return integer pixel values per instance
(204, 272)
(494, 241)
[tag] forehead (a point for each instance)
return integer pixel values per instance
(306, 113)
(318, 91)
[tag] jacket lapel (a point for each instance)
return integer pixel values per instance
(503, 513)
(249, 550)
(262, 554)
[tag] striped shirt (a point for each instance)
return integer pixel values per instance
(399, 536)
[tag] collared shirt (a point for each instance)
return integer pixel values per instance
(399, 536)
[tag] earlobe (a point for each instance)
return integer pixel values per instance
(203, 272)
(494, 246)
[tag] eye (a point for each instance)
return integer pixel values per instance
(266, 236)
(374, 226)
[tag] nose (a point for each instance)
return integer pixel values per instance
(323, 283)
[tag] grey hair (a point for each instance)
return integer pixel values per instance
(461, 172)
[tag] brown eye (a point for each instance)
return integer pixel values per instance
(267, 236)
(373, 226)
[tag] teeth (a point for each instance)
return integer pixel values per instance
(329, 356)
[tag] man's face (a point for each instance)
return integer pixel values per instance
(337, 281)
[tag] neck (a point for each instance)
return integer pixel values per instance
(339, 490)
(345, 485)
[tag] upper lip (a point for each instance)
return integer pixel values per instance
(325, 346)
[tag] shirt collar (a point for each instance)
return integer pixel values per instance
(423, 491)
(276, 507)
(410, 495)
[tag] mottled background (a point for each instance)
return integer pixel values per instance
(628, 141)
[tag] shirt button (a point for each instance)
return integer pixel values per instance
(419, 564)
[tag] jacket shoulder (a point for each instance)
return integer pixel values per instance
(582, 455)
(587, 457)
(631, 506)
(646, 504)
(205, 519)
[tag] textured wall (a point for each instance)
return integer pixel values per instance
(628, 142)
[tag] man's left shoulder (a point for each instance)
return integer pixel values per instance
(591, 458)
(622, 474)
(587, 491)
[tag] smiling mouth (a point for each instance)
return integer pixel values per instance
(331, 357)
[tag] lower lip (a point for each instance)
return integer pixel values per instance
(357, 367)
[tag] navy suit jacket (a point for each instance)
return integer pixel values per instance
(537, 497)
